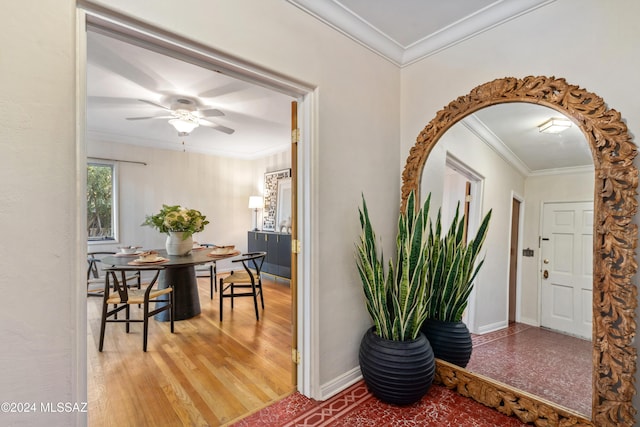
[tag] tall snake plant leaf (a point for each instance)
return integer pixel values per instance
(453, 268)
(398, 300)
(371, 272)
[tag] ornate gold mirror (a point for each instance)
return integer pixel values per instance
(614, 242)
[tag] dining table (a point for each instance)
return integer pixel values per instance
(179, 272)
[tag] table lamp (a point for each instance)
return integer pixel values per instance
(255, 203)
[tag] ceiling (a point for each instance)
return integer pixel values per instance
(404, 31)
(120, 76)
(512, 131)
(124, 81)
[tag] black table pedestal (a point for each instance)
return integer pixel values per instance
(187, 302)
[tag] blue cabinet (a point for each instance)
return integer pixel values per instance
(278, 249)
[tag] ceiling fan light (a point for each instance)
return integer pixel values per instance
(184, 127)
(554, 125)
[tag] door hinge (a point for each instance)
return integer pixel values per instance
(295, 356)
(296, 246)
(295, 136)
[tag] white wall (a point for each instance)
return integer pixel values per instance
(218, 187)
(598, 50)
(43, 338)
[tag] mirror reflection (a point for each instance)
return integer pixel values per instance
(530, 311)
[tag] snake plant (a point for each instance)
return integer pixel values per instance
(397, 300)
(452, 267)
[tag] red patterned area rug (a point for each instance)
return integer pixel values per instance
(355, 406)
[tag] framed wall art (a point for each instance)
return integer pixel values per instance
(271, 181)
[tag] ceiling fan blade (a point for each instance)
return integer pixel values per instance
(220, 128)
(223, 129)
(155, 105)
(211, 112)
(149, 117)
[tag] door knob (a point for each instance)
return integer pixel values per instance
(545, 274)
(546, 261)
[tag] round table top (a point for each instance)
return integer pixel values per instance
(195, 257)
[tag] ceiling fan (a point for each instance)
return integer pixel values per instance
(185, 116)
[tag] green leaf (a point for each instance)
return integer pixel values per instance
(397, 300)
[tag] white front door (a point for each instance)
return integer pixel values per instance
(566, 267)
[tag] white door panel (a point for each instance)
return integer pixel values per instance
(561, 301)
(562, 249)
(567, 255)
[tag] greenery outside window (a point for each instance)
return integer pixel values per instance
(101, 202)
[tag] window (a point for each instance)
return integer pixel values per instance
(101, 206)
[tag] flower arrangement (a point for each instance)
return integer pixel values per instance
(177, 218)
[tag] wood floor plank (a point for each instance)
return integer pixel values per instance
(180, 397)
(207, 373)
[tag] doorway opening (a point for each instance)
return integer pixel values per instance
(200, 55)
(463, 191)
(517, 214)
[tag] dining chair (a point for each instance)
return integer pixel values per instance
(208, 270)
(249, 277)
(122, 297)
(96, 274)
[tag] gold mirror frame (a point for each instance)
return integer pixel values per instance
(615, 237)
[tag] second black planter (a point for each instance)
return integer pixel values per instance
(451, 341)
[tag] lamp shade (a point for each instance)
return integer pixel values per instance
(255, 202)
(183, 126)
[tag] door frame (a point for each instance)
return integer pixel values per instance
(519, 249)
(95, 18)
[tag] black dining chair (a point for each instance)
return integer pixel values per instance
(118, 294)
(208, 270)
(96, 274)
(249, 277)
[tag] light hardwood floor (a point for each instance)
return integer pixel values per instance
(205, 374)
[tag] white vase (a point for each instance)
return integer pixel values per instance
(176, 245)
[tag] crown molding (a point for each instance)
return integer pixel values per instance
(337, 16)
(564, 171)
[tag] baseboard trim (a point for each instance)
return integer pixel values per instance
(340, 383)
(492, 327)
(530, 322)
(276, 277)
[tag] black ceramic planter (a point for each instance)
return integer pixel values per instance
(397, 372)
(451, 341)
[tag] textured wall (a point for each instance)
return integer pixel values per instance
(42, 334)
